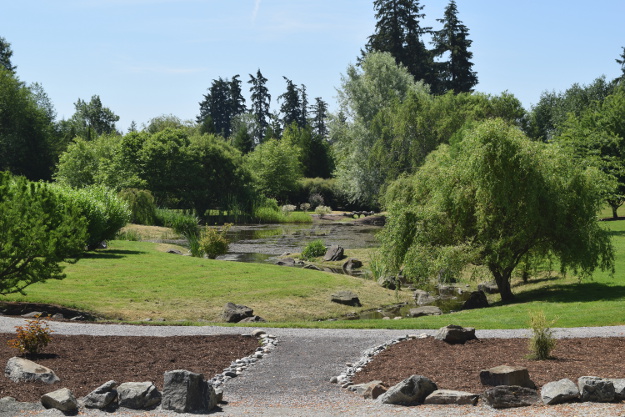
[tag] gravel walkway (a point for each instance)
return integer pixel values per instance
(293, 380)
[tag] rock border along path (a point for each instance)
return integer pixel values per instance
(294, 379)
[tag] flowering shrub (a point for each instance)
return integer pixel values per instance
(32, 337)
(323, 210)
(287, 208)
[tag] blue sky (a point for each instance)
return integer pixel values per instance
(145, 58)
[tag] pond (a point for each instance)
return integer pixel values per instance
(267, 242)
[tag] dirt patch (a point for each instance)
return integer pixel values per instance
(457, 367)
(83, 363)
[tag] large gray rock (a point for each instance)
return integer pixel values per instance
(477, 299)
(619, 388)
(347, 298)
(509, 396)
(234, 313)
(558, 392)
(360, 389)
(390, 283)
(187, 392)
(506, 375)
(334, 253)
(9, 406)
(454, 334)
(138, 395)
(595, 389)
(423, 298)
(101, 397)
(412, 390)
(445, 396)
(488, 287)
(352, 264)
(425, 311)
(23, 370)
(62, 399)
(253, 319)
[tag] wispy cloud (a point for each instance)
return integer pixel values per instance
(256, 9)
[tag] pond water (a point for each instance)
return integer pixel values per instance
(267, 242)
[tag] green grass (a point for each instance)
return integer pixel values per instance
(137, 280)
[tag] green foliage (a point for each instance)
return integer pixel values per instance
(104, 211)
(92, 119)
(183, 223)
(33, 337)
(490, 199)
(141, 205)
(323, 210)
(213, 242)
(313, 250)
(542, 341)
(38, 231)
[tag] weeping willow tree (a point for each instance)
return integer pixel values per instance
(493, 198)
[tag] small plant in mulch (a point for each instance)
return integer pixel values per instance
(542, 342)
(33, 337)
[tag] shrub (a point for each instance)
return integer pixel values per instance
(323, 210)
(313, 250)
(287, 208)
(542, 342)
(141, 205)
(298, 217)
(33, 337)
(213, 242)
(304, 206)
(105, 212)
(316, 200)
(182, 223)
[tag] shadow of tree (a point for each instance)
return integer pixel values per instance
(572, 293)
(112, 254)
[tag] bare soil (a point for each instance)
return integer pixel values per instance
(457, 367)
(83, 363)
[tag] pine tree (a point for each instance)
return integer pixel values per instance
(303, 119)
(291, 107)
(455, 74)
(261, 100)
(622, 63)
(5, 55)
(398, 32)
(320, 113)
(222, 104)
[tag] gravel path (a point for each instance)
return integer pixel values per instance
(293, 380)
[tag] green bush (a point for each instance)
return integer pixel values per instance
(141, 205)
(542, 342)
(184, 224)
(313, 250)
(213, 242)
(105, 212)
(298, 217)
(38, 232)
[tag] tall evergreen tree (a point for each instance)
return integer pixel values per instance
(261, 100)
(622, 63)
(223, 102)
(5, 55)
(303, 120)
(320, 114)
(398, 32)
(291, 107)
(455, 74)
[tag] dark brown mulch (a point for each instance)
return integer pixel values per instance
(457, 367)
(83, 363)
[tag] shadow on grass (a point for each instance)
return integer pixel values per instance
(112, 254)
(571, 293)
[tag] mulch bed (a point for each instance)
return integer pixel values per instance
(457, 367)
(83, 363)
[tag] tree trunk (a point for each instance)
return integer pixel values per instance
(614, 213)
(503, 283)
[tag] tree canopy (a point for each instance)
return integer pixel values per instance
(491, 199)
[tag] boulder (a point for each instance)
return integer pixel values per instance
(374, 391)
(286, 262)
(619, 388)
(412, 390)
(488, 287)
(62, 399)
(360, 389)
(445, 396)
(558, 392)
(187, 392)
(390, 283)
(352, 264)
(447, 291)
(101, 397)
(174, 252)
(454, 334)
(425, 311)
(334, 253)
(234, 313)
(346, 297)
(509, 396)
(507, 375)
(423, 298)
(595, 389)
(9, 406)
(138, 395)
(23, 370)
(477, 299)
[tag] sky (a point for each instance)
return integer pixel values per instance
(147, 58)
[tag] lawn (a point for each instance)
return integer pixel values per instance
(133, 281)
